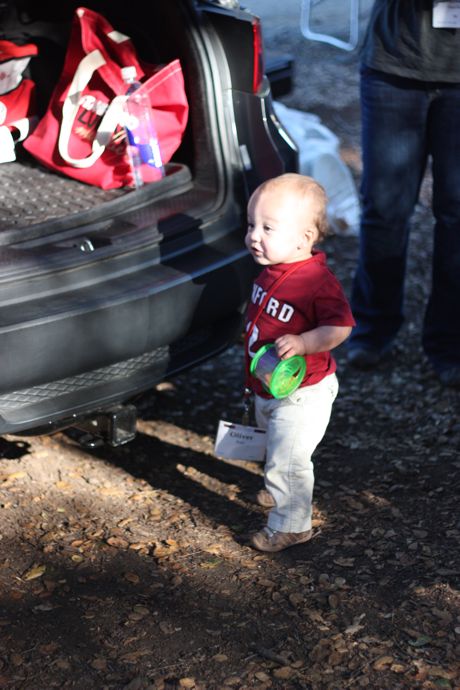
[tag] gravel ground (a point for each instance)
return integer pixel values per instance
(130, 568)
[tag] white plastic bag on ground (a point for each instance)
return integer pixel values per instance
(319, 157)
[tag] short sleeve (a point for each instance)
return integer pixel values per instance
(331, 306)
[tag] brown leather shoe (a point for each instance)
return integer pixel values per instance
(265, 499)
(270, 540)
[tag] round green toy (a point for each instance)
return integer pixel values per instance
(279, 377)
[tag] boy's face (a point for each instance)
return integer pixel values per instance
(279, 229)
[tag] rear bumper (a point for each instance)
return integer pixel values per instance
(61, 403)
(112, 341)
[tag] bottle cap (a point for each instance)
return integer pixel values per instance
(128, 73)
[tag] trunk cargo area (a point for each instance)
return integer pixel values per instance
(34, 200)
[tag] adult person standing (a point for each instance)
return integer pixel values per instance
(410, 101)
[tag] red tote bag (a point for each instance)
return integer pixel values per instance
(81, 134)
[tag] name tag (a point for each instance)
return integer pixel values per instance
(239, 442)
(446, 14)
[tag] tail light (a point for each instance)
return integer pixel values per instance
(258, 56)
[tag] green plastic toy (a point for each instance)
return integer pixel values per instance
(280, 377)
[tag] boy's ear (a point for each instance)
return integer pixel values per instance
(307, 238)
(310, 235)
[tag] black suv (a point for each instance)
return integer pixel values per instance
(103, 293)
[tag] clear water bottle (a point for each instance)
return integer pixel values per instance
(142, 141)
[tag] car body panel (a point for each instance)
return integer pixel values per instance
(99, 303)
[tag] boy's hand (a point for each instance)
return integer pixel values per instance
(321, 339)
(289, 345)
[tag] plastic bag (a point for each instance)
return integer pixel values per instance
(319, 158)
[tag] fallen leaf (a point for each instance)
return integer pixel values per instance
(118, 542)
(209, 565)
(420, 641)
(335, 658)
(262, 676)
(381, 663)
(125, 522)
(284, 672)
(13, 476)
(355, 626)
(439, 672)
(166, 628)
(110, 491)
(135, 684)
(445, 616)
(63, 486)
(137, 546)
(296, 599)
(398, 668)
(33, 573)
(48, 648)
(442, 683)
(345, 562)
(143, 610)
(164, 550)
(251, 565)
(63, 664)
(99, 664)
(17, 659)
(44, 607)
(132, 657)
(333, 601)
(132, 577)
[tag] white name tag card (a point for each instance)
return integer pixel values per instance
(446, 14)
(240, 442)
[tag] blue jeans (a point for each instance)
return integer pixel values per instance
(403, 123)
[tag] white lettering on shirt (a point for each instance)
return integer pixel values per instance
(278, 310)
(257, 294)
(253, 339)
(286, 313)
(272, 307)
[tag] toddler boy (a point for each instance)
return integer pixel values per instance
(299, 305)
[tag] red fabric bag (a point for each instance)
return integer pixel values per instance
(81, 134)
(17, 97)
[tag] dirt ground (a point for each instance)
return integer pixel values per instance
(129, 568)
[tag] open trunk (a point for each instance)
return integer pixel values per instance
(35, 201)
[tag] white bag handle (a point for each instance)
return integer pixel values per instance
(7, 152)
(112, 116)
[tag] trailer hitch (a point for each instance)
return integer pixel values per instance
(114, 426)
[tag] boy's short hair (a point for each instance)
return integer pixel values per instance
(307, 189)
